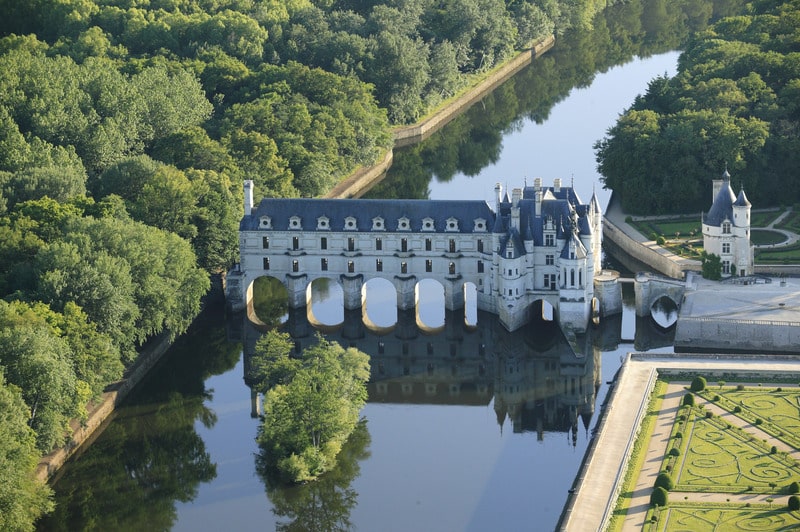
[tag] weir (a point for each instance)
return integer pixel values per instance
(541, 244)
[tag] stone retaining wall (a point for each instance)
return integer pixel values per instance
(648, 253)
(100, 412)
(418, 132)
(736, 335)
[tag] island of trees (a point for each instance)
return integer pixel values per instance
(126, 128)
(734, 102)
(311, 404)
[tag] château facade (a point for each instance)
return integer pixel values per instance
(726, 228)
(541, 244)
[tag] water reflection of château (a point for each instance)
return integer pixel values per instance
(539, 380)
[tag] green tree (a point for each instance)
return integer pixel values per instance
(307, 420)
(659, 497)
(22, 498)
(711, 266)
(698, 384)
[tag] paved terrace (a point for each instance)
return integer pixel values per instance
(601, 476)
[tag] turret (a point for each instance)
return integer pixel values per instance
(498, 193)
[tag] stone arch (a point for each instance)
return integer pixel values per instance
(267, 302)
(429, 304)
(650, 288)
(664, 312)
(325, 303)
(379, 304)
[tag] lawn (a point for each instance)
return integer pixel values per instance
(686, 516)
(791, 222)
(764, 218)
(762, 237)
(786, 255)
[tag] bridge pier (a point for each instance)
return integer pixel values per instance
(609, 292)
(296, 286)
(453, 293)
(406, 293)
(351, 290)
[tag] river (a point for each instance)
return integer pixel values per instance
(490, 435)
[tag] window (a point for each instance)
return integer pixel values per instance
(452, 245)
(549, 240)
(428, 244)
(480, 246)
(350, 223)
(378, 265)
(510, 253)
(580, 277)
(549, 260)
(510, 292)
(266, 222)
(452, 268)
(572, 277)
(351, 266)
(324, 264)
(726, 266)
(295, 242)
(378, 244)
(403, 267)
(403, 224)
(480, 266)
(550, 281)
(351, 244)
(294, 222)
(403, 244)
(265, 242)
(323, 222)
(265, 263)
(726, 228)
(427, 224)
(295, 266)
(323, 243)
(377, 224)
(726, 247)
(429, 265)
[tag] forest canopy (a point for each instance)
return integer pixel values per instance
(735, 103)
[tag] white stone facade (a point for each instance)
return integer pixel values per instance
(543, 244)
(726, 229)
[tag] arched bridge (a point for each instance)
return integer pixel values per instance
(649, 288)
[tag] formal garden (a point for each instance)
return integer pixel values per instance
(683, 234)
(730, 461)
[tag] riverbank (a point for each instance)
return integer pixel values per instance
(365, 178)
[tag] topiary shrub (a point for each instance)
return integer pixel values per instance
(688, 400)
(794, 487)
(737, 409)
(698, 384)
(660, 241)
(674, 452)
(709, 414)
(794, 503)
(740, 387)
(664, 480)
(660, 497)
(773, 450)
(678, 434)
(759, 421)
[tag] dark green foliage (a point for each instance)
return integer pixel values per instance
(711, 266)
(674, 452)
(734, 101)
(678, 434)
(794, 503)
(688, 399)
(659, 497)
(759, 421)
(794, 487)
(698, 384)
(709, 414)
(773, 450)
(737, 409)
(664, 480)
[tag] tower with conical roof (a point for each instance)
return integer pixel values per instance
(726, 228)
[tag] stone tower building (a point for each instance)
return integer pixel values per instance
(726, 228)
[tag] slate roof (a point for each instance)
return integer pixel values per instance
(722, 208)
(741, 200)
(280, 210)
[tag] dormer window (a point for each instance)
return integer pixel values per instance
(377, 224)
(427, 224)
(726, 227)
(295, 222)
(323, 222)
(480, 225)
(452, 224)
(403, 224)
(350, 224)
(510, 251)
(265, 223)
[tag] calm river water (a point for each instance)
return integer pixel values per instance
(466, 429)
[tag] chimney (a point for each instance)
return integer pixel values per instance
(716, 186)
(248, 197)
(539, 202)
(516, 195)
(537, 182)
(498, 193)
(557, 184)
